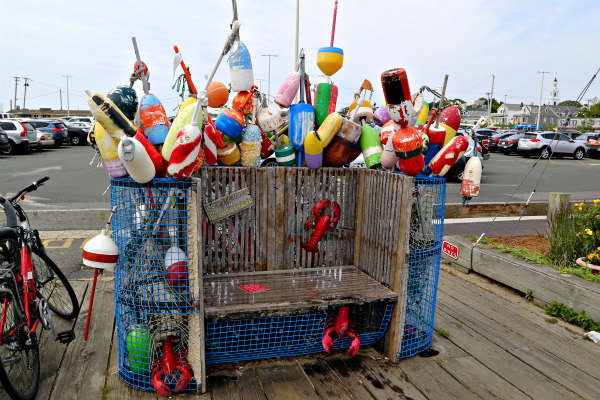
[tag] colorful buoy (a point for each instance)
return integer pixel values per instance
(330, 60)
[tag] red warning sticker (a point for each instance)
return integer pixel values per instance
(253, 287)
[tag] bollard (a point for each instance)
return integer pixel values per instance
(556, 204)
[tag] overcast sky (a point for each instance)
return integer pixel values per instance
(469, 40)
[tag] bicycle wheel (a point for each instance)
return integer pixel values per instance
(53, 285)
(19, 352)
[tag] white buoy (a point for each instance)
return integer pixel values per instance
(471, 177)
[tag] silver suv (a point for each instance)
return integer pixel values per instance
(21, 135)
(546, 144)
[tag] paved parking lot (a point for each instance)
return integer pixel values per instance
(502, 174)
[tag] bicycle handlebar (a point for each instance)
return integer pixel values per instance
(30, 188)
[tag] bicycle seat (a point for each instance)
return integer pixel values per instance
(8, 233)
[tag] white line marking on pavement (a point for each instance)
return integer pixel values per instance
(489, 219)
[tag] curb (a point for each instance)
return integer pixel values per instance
(546, 283)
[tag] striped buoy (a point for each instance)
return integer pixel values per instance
(285, 156)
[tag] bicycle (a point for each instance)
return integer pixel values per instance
(30, 285)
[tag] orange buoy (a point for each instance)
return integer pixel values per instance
(217, 94)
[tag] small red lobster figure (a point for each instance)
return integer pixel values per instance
(339, 325)
(321, 223)
(172, 368)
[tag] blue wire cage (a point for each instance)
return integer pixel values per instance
(426, 235)
(153, 298)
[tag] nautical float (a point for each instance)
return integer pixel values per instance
(325, 101)
(184, 117)
(397, 95)
(231, 123)
(302, 117)
(344, 147)
(109, 116)
(107, 145)
(155, 156)
(450, 120)
(240, 68)
(381, 116)
(229, 155)
(136, 160)
(125, 98)
(471, 177)
(329, 128)
(313, 150)
(449, 155)
(330, 60)
(217, 94)
(370, 145)
(288, 89)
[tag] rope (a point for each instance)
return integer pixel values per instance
(180, 84)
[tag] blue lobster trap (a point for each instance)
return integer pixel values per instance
(425, 250)
(257, 281)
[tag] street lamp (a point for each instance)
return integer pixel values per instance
(537, 124)
(269, 77)
(68, 105)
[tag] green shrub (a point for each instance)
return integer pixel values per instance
(559, 310)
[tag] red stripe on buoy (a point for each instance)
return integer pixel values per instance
(103, 258)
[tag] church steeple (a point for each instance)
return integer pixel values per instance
(553, 97)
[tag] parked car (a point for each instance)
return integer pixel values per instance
(485, 133)
(78, 132)
(7, 115)
(56, 127)
(4, 143)
(509, 144)
(45, 139)
(545, 144)
(593, 145)
(20, 135)
(89, 120)
(495, 139)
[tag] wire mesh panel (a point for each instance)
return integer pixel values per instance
(279, 336)
(153, 296)
(426, 234)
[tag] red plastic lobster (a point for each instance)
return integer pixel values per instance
(339, 324)
(168, 367)
(321, 223)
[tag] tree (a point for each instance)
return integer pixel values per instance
(592, 112)
(344, 111)
(586, 125)
(570, 103)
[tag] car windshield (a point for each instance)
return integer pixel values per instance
(28, 126)
(529, 135)
(60, 125)
(582, 136)
(499, 135)
(514, 137)
(66, 123)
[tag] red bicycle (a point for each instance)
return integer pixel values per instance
(30, 286)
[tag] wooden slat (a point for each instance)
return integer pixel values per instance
(285, 382)
(328, 385)
(86, 380)
(291, 289)
(336, 372)
(280, 246)
(359, 220)
(246, 386)
(271, 219)
(395, 332)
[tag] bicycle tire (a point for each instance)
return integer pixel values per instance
(19, 352)
(60, 295)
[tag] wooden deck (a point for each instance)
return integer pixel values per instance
(499, 346)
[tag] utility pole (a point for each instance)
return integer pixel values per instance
(60, 91)
(269, 76)
(260, 81)
(489, 104)
(16, 84)
(68, 105)
(537, 124)
(25, 93)
(490, 101)
(297, 34)
(11, 105)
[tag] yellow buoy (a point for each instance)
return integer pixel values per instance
(330, 60)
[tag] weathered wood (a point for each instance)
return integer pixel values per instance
(359, 221)
(383, 380)
(86, 362)
(291, 290)
(196, 355)
(354, 386)
(246, 386)
(526, 378)
(395, 332)
(285, 382)
(558, 204)
(327, 384)
(546, 283)
(51, 351)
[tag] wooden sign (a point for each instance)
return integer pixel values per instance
(229, 205)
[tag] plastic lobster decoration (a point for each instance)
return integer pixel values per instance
(171, 366)
(338, 324)
(321, 223)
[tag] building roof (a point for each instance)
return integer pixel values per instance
(50, 113)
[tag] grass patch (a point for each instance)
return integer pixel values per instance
(529, 294)
(551, 320)
(561, 311)
(443, 333)
(524, 254)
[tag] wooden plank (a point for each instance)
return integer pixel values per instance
(360, 194)
(395, 331)
(382, 379)
(86, 362)
(291, 290)
(246, 386)
(196, 356)
(265, 192)
(511, 327)
(271, 219)
(348, 380)
(526, 378)
(290, 217)
(280, 193)
(285, 382)
(328, 385)
(51, 351)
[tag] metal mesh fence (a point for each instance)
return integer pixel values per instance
(153, 297)
(426, 234)
(279, 336)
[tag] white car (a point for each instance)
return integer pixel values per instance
(88, 120)
(45, 139)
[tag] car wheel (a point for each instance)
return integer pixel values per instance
(75, 140)
(545, 154)
(269, 162)
(579, 154)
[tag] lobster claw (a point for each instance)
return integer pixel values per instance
(326, 341)
(341, 323)
(355, 345)
(336, 216)
(159, 386)
(184, 379)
